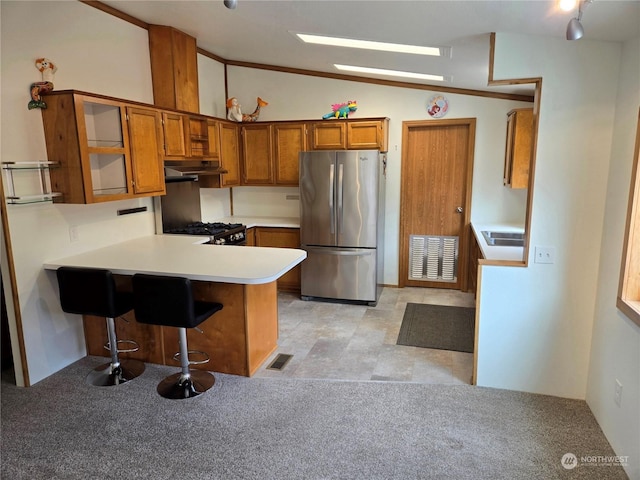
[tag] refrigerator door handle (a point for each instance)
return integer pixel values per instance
(342, 252)
(340, 193)
(332, 213)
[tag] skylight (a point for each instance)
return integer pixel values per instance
(393, 73)
(370, 45)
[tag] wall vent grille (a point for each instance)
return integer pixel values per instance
(433, 258)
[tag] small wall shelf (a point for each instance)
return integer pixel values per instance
(33, 179)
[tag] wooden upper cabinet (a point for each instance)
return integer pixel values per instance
(365, 135)
(229, 154)
(371, 134)
(145, 142)
(106, 150)
(197, 137)
(328, 135)
(289, 139)
(518, 148)
(174, 69)
(257, 160)
(173, 128)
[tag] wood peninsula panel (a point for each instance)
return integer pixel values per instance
(238, 338)
(148, 338)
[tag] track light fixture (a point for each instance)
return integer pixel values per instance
(575, 31)
(231, 4)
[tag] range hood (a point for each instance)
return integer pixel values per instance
(171, 171)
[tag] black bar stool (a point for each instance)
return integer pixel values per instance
(92, 291)
(168, 301)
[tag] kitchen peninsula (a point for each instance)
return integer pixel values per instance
(238, 339)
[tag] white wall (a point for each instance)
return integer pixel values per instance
(307, 98)
(615, 347)
(94, 52)
(535, 323)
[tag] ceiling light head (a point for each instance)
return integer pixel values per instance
(575, 31)
(231, 4)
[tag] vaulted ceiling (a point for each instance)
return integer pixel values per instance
(262, 31)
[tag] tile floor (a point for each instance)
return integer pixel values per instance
(354, 342)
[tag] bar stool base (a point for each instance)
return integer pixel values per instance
(175, 387)
(107, 376)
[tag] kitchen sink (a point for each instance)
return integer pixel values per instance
(503, 239)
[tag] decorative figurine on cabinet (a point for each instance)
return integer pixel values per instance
(235, 112)
(47, 68)
(341, 110)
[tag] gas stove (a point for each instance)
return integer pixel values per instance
(218, 233)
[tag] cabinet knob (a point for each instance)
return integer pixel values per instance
(458, 209)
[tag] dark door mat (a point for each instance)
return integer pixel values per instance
(438, 326)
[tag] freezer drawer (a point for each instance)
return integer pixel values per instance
(340, 273)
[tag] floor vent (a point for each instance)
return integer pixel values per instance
(433, 258)
(280, 361)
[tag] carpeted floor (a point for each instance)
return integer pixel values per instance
(269, 428)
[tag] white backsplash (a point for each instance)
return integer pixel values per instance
(250, 202)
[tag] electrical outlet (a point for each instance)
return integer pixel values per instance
(617, 394)
(545, 255)
(73, 234)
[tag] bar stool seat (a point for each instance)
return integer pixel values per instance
(92, 291)
(168, 301)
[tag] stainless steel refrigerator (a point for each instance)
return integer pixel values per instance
(342, 224)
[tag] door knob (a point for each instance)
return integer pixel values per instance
(458, 209)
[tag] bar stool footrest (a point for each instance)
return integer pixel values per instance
(206, 359)
(135, 348)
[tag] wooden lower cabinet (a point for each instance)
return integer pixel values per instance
(238, 338)
(283, 238)
(475, 255)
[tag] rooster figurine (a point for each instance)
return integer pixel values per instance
(235, 112)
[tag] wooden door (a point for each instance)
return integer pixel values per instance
(213, 136)
(437, 167)
(328, 135)
(229, 154)
(364, 135)
(257, 164)
(145, 140)
(288, 142)
(174, 144)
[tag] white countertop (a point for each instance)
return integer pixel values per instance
(249, 222)
(491, 252)
(187, 256)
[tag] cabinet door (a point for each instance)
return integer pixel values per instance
(173, 126)
(197, 137)
(328, 135)
(283, 238)
(104, 146)
(174, 68)
(518, 148)
(289, 139)
(364, 135)
(257, 164)
(145, 143)
(229, 154)
(213, 137)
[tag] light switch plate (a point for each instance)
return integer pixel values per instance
(545, 255)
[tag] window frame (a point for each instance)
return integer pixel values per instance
(628, 300)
